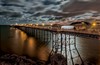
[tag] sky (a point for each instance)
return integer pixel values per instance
(33, 7)
(87, 0)
(30, 6)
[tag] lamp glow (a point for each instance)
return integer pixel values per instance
(51, 24)
(43, 24)
(37, 24)
(94, 23)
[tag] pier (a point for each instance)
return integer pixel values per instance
(61, 40)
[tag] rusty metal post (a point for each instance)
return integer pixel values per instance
(65, 46)
(56, 44)
(30, 31)
(44, 35)
(61, 42)
(34, 32)
(70, 50)
(47, 36)
(39, 34)
(52, 37)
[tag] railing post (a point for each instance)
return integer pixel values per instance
(52, 36)
(65, 46)
(61, 42)
(70, 50)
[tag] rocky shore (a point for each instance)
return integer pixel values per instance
(13, 59)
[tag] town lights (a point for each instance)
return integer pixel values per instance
(37, 24)
(31, 24)
(83, 23)
(16, 24)
(43, 24)
(94, 23)
(51, 24)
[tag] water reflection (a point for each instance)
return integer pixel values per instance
(31, 46)
(43, 53)
(17, 42)
(89, 50)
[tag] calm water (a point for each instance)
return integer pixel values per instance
(17, 42)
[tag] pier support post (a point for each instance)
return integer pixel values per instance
(74, 57)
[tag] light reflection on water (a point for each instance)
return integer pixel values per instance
(31, 46)
(16, 41)
(19, 43)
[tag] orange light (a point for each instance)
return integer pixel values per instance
(31, 24)
(51, 24)
(37, 24)
(43, 24)
(94, 23)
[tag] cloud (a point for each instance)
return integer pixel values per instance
(86, 0)
(31, 6)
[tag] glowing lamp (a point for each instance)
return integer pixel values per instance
(43, 24)
(37, 24)
(94, 24)
(51, 24)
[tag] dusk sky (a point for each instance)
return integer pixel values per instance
(31, 6)
(34, 6)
